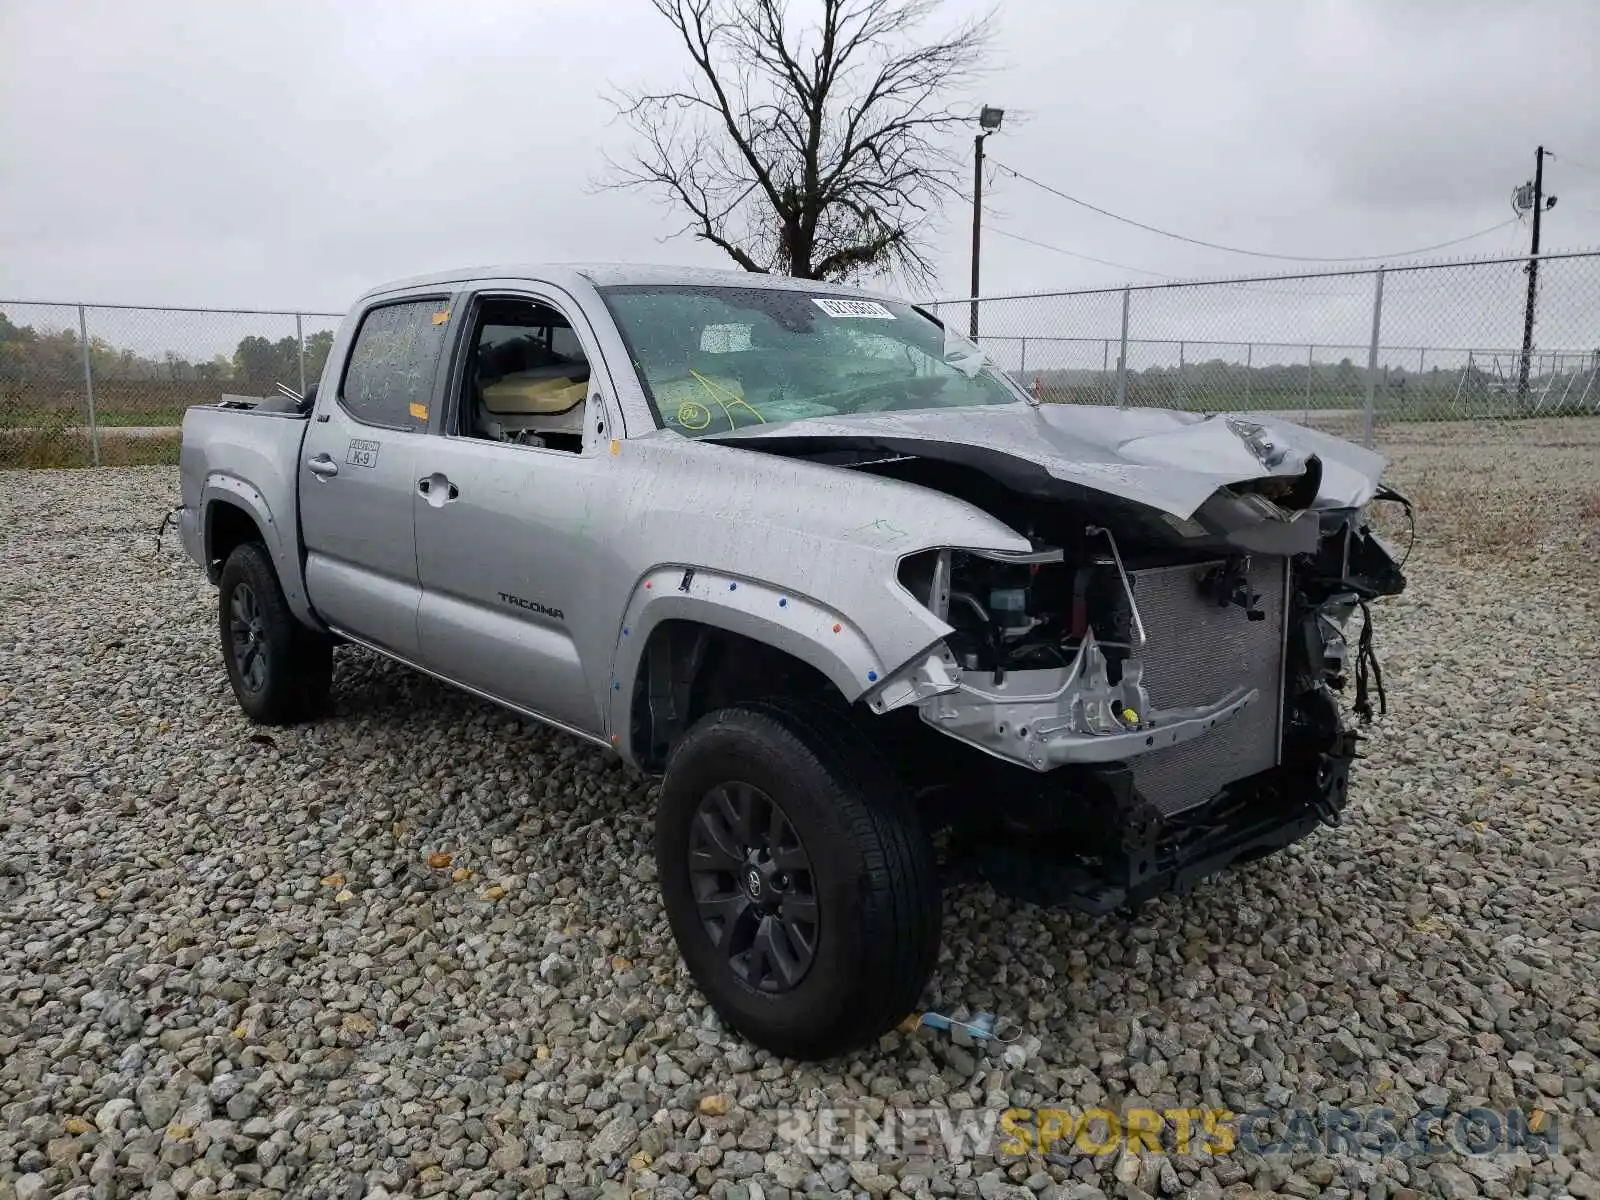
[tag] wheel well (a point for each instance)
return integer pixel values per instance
(228, 528)
(689, 669)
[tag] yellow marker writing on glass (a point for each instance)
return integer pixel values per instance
(693, 416)
(726, 399)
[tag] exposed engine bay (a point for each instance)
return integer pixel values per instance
(1153, 694)
(1035, 612)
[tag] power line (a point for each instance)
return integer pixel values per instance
(1567, 161)
(993, 214)
(1250, 284)
(1017, 237)
(1235, 249)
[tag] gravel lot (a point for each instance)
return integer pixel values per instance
(416, 947)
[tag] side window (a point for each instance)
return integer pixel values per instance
(389, 379)
(527, 379)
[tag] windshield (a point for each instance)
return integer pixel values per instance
(715, 359)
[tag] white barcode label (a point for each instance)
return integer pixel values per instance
(870, 309)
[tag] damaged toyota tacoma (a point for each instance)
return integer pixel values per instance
(870, 610)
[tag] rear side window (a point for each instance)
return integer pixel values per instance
(389, 380)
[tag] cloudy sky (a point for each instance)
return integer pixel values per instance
(291, 154)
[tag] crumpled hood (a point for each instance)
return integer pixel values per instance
(1172, 461)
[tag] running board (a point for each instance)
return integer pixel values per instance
(562, 726)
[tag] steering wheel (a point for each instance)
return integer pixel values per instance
(902, 392)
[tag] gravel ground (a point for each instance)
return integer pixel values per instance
(417, 948)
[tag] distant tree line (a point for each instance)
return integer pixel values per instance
(29, 355)
(1344, 376)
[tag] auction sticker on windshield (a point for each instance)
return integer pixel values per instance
(870, 309)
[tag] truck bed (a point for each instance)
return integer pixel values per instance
(249, 458)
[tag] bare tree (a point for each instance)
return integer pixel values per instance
(819, 151)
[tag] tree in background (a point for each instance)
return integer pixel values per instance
(317, 346)
(819, 152)
(260, 363)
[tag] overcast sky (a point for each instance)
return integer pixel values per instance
(294, 153)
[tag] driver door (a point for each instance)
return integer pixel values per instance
(507, 541)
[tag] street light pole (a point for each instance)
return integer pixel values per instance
(977, 230)
(989, 121)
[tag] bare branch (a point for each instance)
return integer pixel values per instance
(821, 151)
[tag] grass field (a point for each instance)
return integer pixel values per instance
(28, 449)
(124, 417)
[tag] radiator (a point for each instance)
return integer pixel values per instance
(1196, 652)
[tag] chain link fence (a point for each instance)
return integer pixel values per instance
(1425, 352)
(106, 385)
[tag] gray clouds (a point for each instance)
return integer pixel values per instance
(295, 153)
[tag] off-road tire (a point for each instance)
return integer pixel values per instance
(876, 883)
(297, 662)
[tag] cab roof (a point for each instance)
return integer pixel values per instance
(617, 274)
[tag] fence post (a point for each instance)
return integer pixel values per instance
(88, 386)
(1022, 366)
(1372, 354)
(300, 340)
(1180, 374)
(1122, 356)
(1422, 358)
(1249, 370)
(1311, 367)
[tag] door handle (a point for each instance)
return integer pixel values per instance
(437, 489)
(323, 466)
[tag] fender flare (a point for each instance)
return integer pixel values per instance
(796, 625)
(280, 542)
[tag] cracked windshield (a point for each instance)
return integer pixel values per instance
(716, 359)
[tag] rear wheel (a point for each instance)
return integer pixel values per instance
(797, 877)
(280, 670)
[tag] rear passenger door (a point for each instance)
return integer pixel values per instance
(358, 474)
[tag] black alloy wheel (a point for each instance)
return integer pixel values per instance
(249, 637)
(754, 887)
(279, 669)
(797, 876)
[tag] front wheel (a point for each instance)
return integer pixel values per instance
(797, 877)
(279, 669)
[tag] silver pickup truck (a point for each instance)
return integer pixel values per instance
(869, 609)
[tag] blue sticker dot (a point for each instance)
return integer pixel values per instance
(733, 587)
(783, 602)
(624, 631)
(872, 675)
(616, 685)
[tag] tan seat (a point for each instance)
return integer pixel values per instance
(540, 392)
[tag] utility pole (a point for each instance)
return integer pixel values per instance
(989, 121)
(1539, 205)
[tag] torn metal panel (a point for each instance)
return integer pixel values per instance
(1171, 461)
(1045, 719)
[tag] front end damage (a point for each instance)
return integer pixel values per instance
(1151, 700)
(1152, 690)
